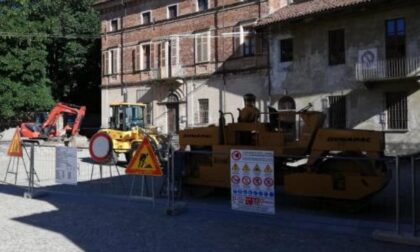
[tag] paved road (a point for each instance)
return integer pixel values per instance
(62, 222)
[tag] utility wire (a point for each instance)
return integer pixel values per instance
(85, 36)
(46, 35)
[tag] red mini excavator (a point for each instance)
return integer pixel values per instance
(49, 130)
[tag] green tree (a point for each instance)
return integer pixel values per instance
(74, 55)
(49, 50)
(24, 85)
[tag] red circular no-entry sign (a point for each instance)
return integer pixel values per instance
(100, 148)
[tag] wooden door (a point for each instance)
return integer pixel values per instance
(173, 118)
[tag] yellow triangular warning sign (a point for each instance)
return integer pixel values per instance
(245, 168)
(15, 147)
(235, 168)
(144, 161)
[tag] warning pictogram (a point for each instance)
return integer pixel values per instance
(245, 168)
(15, 147)
(257, 169)
(235, 168)
(236, 155)
(257, 181)
(268, 169)
(246, 180)
(235, 179)
(268, 182)
(144, 161)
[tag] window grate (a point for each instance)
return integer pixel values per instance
(337, 112)
(203, 106)
(397, 110)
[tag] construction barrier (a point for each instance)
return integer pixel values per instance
(42, 169)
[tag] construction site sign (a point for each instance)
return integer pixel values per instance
(144, 161)
(66, 165)
(252, 181)
(15, 147)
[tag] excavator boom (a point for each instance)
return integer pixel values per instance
(48, 128)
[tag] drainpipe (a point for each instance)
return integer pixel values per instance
(269, 64)
(123, 85)
(223, 107)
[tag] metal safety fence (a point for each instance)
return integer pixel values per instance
(36, 172)
(395, 205)
(179, 189)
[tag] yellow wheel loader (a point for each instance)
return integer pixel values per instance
(309, 160)
(127, 130)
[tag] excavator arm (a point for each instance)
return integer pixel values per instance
(60, 108)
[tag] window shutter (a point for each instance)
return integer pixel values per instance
(197, 47)
(136, 60)
(237, 51)
(104, 63)
(205, 47)
(152, 56)
(118, 59)
(174, 51)
(163, 54)
(107, 63)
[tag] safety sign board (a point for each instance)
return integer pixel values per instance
(66, 165)
(144, 161)
(252, 188)
(15, 147)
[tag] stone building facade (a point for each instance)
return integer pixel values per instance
(357, 60)
(185, 59)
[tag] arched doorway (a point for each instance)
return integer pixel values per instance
(172, 106)
(286, 103)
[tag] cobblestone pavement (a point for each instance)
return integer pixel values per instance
(63, 222)
(86, 221)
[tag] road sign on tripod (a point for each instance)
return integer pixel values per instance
(144, 161)
(15, 147)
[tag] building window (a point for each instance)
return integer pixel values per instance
(173, 48)
(336, 47)
(397, 110)
(202, 47)
(105, 65)
(145, 58)
(111, 61)
(114, 25)
(395, 38)
(245, 41)
(202, 5)
(172, 11)
(146, 17)
(337, 112)
(203, 110)
(248, 43)
(286, 50)
(149, 113)
(287, 103)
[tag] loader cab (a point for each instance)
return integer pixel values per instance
(125, 116)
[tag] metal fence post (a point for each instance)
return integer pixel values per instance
(413, 195)
(30, 194)
(397, 236)
(397, 194)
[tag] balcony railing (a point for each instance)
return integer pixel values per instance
(392, 69)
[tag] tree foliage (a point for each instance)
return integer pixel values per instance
(49, 52)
